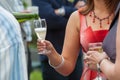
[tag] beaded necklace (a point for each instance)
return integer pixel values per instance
(100, 19)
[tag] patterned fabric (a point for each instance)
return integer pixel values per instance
(12, 54)
(17, 6)
(12, 5)
(87, 35)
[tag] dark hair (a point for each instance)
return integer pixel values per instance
(110, 4)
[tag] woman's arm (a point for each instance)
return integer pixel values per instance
(71, 46)
(70, 49)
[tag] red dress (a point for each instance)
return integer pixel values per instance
(87, 35)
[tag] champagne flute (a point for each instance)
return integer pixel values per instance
(40, 30)
(97, 47)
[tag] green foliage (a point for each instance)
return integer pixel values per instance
(36, 75)
(71, 1)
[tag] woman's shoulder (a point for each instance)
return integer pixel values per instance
(75, 19)
(78, 12)
(75, 14)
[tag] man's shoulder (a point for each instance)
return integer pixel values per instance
(6, 14)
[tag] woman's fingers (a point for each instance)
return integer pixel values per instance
(44, 46)
(41, 46)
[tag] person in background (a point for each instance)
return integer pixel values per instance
(86, 25)
(12, 54)
(111, 47)
(56, 13)
(17, 6)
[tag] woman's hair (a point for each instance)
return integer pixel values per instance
(110, 4)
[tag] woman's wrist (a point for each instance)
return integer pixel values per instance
(103, 59)
(58, 65)
(100, 63)
(104, 56)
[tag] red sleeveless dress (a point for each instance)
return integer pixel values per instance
(87, 35)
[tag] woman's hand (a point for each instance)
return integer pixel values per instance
(44, 47)
(93, 58)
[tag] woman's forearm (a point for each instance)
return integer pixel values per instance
(60, 64)
(108, 68)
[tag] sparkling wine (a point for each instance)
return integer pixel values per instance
(40, 32)
(96, 47)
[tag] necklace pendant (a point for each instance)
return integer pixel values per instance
(100, 19)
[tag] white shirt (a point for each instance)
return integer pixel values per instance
(12, 54)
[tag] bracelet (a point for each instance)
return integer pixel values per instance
(58, 66)
(98, 64)
(98, 68)
(103, 59)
